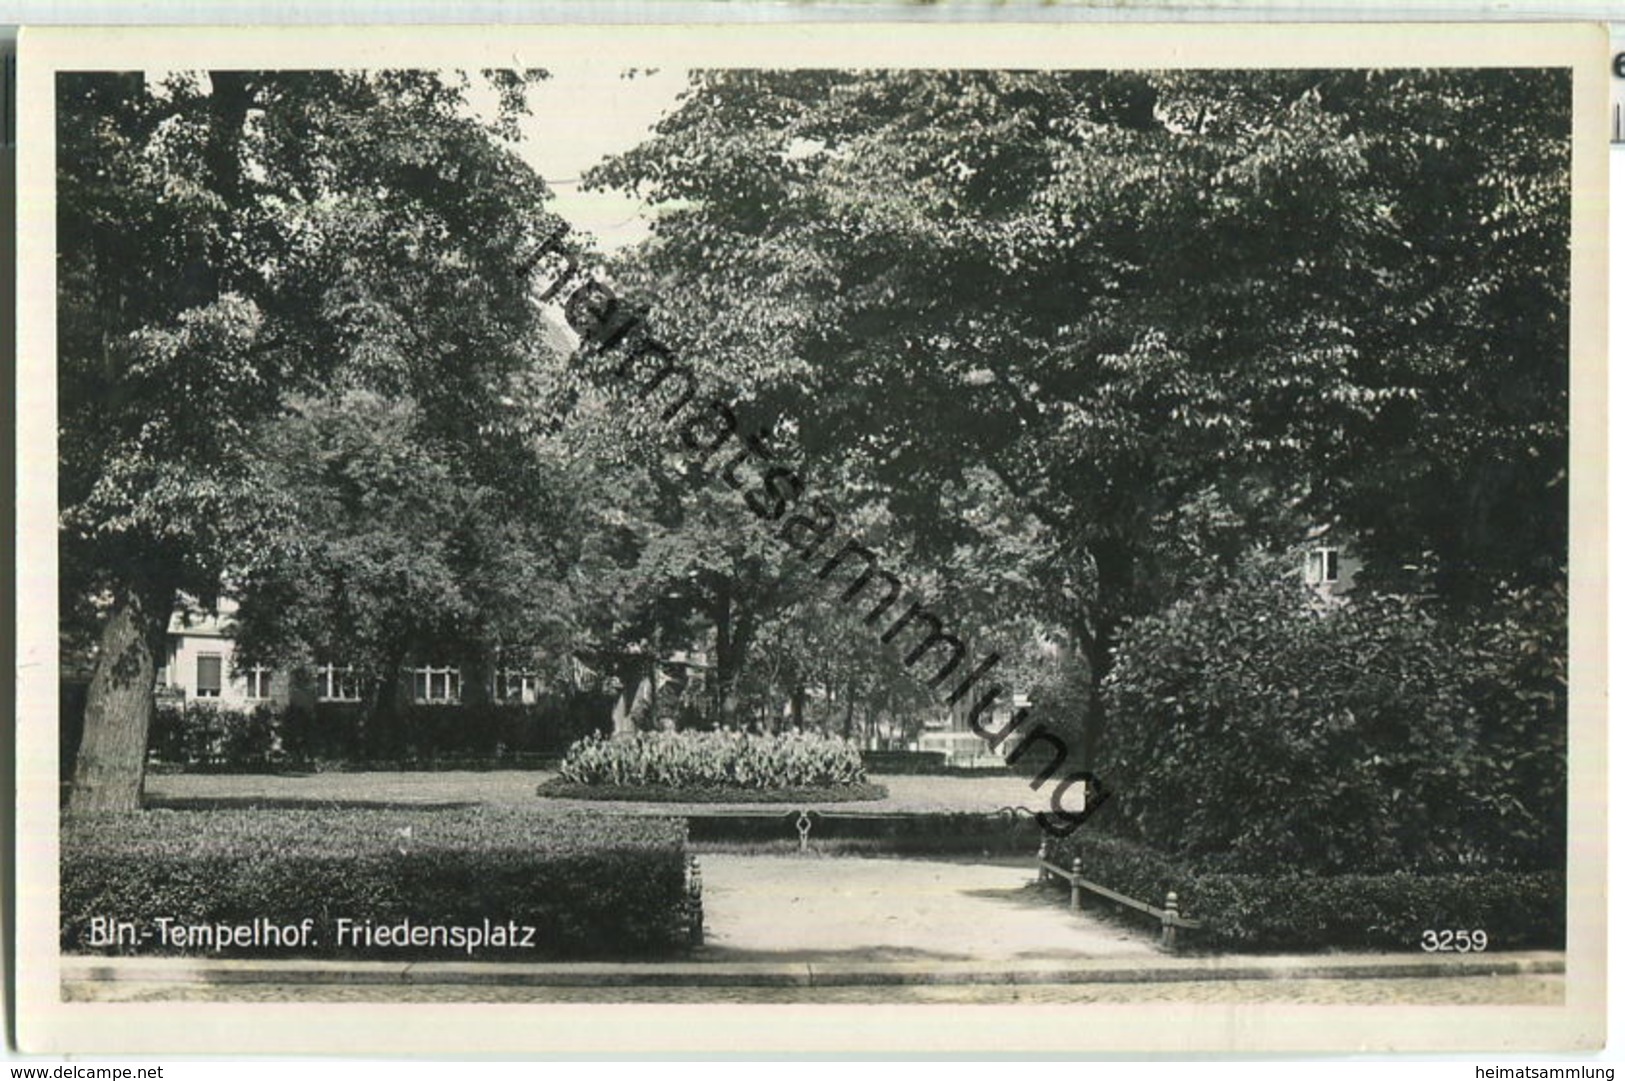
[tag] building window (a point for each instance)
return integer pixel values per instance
(516, 685)
(208, 675)
(1322, 566)
(337, 683)
(437, 685)
(259, 682)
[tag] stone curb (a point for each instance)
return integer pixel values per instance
(802, 974)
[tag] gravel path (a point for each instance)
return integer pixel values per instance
(808, 908)
(518, 787)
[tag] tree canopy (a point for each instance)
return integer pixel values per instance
(231, 238)
(1165, 312)
(1069, 347)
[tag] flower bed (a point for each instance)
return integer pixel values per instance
(557, 788)
(183, 882)
(714, 761)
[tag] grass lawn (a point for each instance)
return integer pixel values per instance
(518, 787)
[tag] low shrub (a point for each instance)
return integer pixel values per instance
(1294, 911)
(1517, 909)
(558, 788)
(705, 760)
(846, 832)
(208, 733)
(905, 761)
(591, 886)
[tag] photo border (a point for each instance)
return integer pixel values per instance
(46, 1024)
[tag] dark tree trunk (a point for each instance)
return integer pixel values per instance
(735, 628)
(478, 673)
(118, 709)
(722, 616)
(637, 688)
(383, 721)
(1095, 632)
(798, 705)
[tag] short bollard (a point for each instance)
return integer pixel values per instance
(1077, 883)
(1170, 913)
(1043, 857)
(696, 903)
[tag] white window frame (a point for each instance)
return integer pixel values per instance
(332, 682)
(257, 680)
(452, 686)
(509, 678)
(1325, 565)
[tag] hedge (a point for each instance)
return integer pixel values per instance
(591, 886)
(1295, 911)
(914, 762)
(207, 734)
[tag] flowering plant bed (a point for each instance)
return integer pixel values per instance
(558, 788)
(724, 762)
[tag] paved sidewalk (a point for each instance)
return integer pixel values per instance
(855, 910)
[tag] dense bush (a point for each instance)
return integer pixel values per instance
(714, 760)
(592, 886)
(1290, 911)
(1262, 731)
(202, 732)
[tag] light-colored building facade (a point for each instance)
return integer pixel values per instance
(199, 665)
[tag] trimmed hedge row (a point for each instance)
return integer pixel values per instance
(203, 733)
(589, 886)
(1519, 910)
(913, 762)
(558, 788)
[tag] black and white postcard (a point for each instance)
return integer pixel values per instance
(1007, 538)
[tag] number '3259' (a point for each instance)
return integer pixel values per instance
(1460, 941)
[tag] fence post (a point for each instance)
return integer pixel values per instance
(1170, 913)
(1077, 884)
(1043, 855)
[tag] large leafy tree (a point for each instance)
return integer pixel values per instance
(1158, 309)
(397, 550)
(226, 239)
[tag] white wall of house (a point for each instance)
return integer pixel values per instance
(198, 666)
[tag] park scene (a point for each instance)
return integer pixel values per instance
(814, 535)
